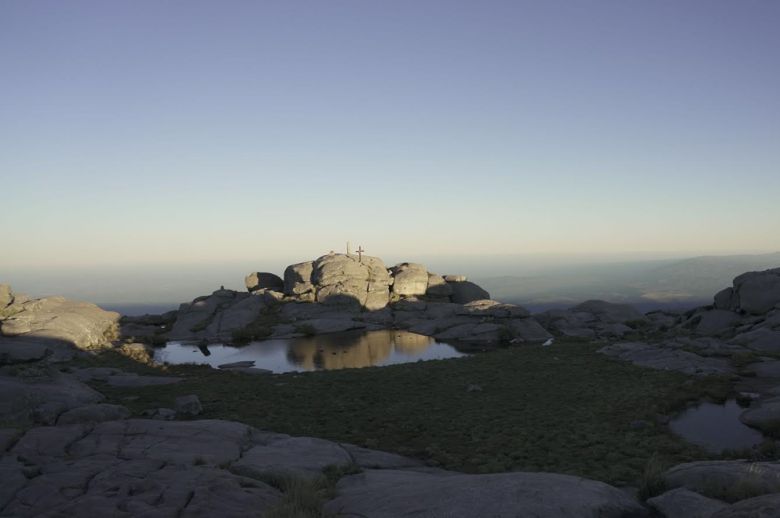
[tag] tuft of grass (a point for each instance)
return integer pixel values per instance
(304, 497)
(652, 482)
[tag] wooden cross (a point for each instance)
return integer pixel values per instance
(360, 253)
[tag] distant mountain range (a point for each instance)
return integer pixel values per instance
(670, 284)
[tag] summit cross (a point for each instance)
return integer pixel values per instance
(360, 253)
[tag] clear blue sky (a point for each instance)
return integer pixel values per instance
(146, 132)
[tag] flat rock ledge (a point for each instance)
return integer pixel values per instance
(210, 467)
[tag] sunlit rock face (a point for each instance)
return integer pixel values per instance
(364, 281)
(341, 279)
(82, 324)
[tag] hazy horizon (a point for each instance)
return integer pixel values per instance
(197, 141)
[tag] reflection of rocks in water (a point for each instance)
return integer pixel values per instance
(205, 350)
(410, 343)
(342, 351)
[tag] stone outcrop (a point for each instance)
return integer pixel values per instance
(341, 280)
(592, 319)
(217, 316)
(754, 293)
(263, 280)
(395, 494)
(664, 357)
(82, 324)
(410, 280)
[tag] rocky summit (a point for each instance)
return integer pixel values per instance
(340, 292)
(70, 444)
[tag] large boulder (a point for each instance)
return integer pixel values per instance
(438, 287)
(297, 279)
(341, 279)
(758, 292)
(263, 280)
(396, 494)
(465, 291)
(217, 316)
(409, 280)
(82, 324)
(6, 296)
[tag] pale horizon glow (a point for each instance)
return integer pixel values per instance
(194, 133)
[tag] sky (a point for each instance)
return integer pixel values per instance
(166, 133)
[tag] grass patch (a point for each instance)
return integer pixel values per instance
(305, 498)
(561, 409)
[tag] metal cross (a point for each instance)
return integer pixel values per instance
(360, 253)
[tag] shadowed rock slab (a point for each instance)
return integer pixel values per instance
(397, 494)
(209, 442)
(25, 401)
(661, 358)
(765, 506)
(465, 291)
(716, 322)
(758, 292)
(263, 280)
(299, 456)
(373, 459)
(94, 414)
(721, 476)
(18, 351)
(683, 503)
(764, 416)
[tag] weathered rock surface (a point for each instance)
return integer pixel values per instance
(6, 296)
(216, 316)
(410, 280)
(304, 457)
(765, 415)
(465, 291)
(684, 503)
(297, 279)
(42, 400)
(765, 506)
(396, 494)
(263, 280)
(662, 358)
(341, 279)
(133, 468)
(94, 414)
(592, 319)
(758, 292)
(82, 324)
(722, 476)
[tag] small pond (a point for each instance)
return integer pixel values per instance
(351, 349)
(716, 427)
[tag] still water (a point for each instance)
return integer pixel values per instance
(346, 350)
(716, 427)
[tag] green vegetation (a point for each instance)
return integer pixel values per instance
(304, 498)
(562, 409)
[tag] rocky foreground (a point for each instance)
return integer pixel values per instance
(66, 452)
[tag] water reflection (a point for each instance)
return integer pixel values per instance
(716, 427)
(353, 349)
